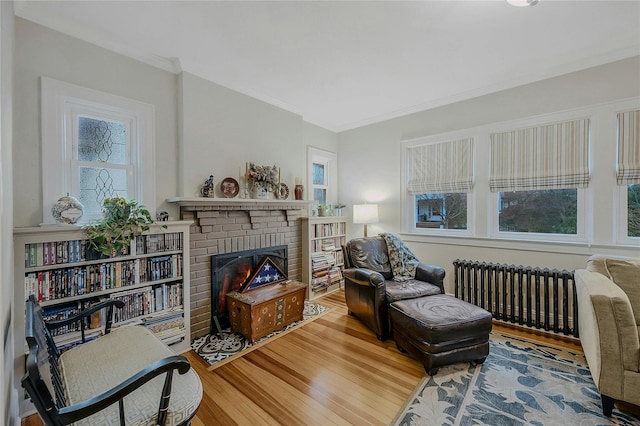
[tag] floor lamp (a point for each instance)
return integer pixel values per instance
(365, 213)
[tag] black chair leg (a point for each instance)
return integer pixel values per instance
(607, 405)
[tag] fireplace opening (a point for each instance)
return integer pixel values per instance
(230, 271)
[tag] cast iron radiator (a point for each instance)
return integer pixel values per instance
(535, 297)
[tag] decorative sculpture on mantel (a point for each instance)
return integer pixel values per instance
(208, 189)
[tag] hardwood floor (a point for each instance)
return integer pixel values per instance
(331, 371)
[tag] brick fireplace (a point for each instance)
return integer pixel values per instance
(227, 225)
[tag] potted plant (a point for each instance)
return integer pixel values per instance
(122, 220)
(323, 210)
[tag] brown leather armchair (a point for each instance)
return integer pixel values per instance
(369, 284)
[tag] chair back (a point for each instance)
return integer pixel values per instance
(42, 375)
(368, 253)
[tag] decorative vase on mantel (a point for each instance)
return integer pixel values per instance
(261, 191)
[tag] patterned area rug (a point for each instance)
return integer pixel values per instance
(217, 351)
(520, 383)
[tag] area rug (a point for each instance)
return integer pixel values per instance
(520, 383)
(217, 351)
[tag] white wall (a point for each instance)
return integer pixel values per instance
(201, 128)
(44, 52)
(222, 129)
(369, 162)
(8, 395)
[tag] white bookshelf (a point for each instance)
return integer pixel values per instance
(152, 279)
(322, 240)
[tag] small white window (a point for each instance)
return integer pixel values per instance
(322, 175)
(95, 146)
(630, 200)
(628, 175)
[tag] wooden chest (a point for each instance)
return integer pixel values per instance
(256, 313)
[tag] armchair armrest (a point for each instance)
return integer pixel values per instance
(107, 304)
(91, 406)
(364, 277)
(433, 274)
(608, 331)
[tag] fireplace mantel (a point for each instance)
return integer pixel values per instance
(226, 225)
(202, 203)
(256, 208)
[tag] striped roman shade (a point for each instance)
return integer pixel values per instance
(547, 157)
(441, 167)
(628, 147)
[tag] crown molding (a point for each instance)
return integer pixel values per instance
(23, 10)
(551, 72)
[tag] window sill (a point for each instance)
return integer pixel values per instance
(560, 247)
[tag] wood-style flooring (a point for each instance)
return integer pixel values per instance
(331, 371)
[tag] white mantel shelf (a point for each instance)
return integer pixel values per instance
(239, 203)
(256, 208)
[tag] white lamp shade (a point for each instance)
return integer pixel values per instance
(365, 213)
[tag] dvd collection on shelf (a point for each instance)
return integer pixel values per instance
(79, 280)
(59, 270)
(74, 251)
(158, 308)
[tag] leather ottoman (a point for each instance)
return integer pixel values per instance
(441, 330)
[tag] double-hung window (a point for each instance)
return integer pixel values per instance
(538, 174)
(95, 146)
(439, 183)
(628, 175)
(322, 175)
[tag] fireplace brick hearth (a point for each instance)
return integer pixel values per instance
(226, 225)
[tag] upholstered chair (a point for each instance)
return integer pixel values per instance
(369, 284)
(608, 293)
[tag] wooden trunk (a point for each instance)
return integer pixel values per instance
(256, 313)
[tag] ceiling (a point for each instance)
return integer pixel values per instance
(341, 65)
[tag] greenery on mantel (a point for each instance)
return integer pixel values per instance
(122, 220)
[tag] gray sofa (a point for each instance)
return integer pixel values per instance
(608, 293)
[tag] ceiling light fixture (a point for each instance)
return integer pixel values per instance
(522, 3)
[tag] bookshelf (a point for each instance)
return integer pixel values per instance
(54, 264)
(322, 242)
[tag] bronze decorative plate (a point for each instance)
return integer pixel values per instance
(229, 187)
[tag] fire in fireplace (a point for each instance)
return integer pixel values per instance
(230, 271)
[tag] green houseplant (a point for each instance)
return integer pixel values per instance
(122, 220)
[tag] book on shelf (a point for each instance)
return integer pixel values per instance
(162, 324)
(54, 253)
(171, 337)
(328, 245)
(60, 313)
(74, 251)
(321, 273)
(320, 260)
(147, 300)
(79, 280)
(157, 243)
(69, 340)
(334, 275)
